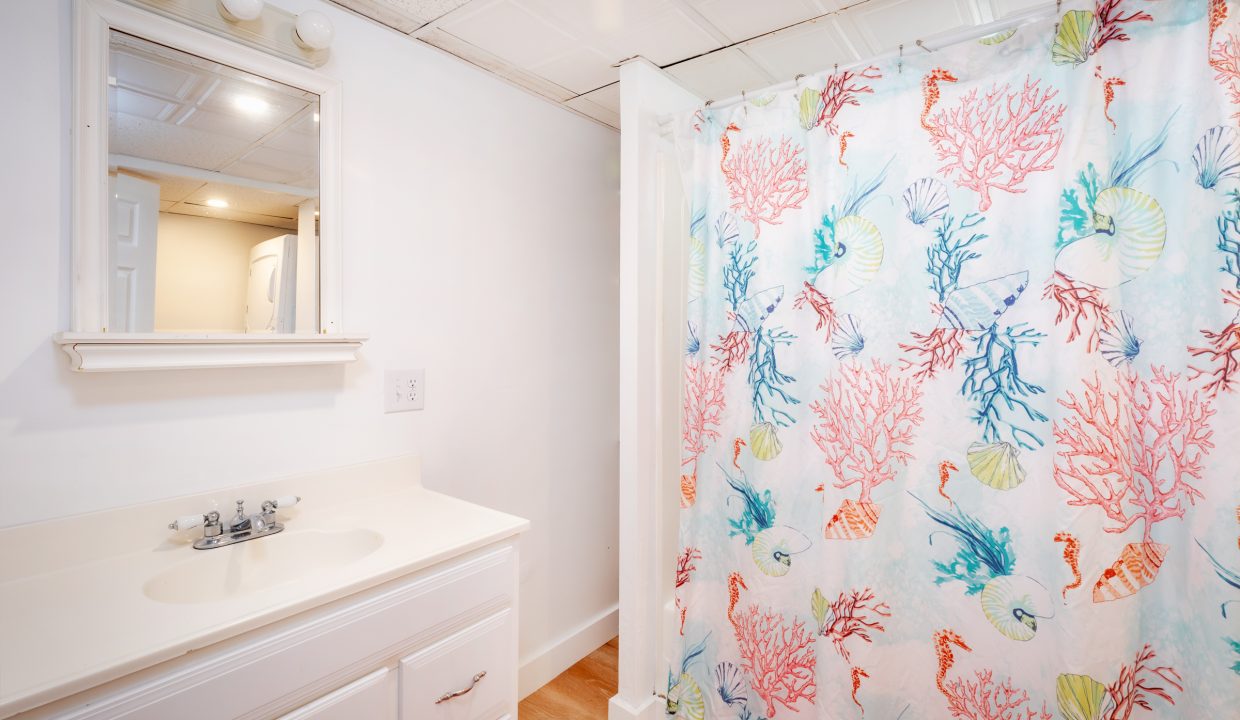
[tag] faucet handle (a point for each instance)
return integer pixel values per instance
(286, 501)
(185, 522)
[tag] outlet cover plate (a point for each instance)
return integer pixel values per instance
(404, 390)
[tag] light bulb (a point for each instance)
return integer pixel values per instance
(240, 10)
(217, 203)
(313, 31)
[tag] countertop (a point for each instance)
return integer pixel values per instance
(73, 613)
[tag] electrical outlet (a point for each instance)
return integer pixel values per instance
(404, 390)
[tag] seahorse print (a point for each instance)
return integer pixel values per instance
(930, 92)
(943, 641)
(1072, 556)
(946, 468)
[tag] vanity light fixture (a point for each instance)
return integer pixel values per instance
(217, 203)
(313, 30)
(240, 10)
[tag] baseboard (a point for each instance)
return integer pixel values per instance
(544, 664)
(652, 709)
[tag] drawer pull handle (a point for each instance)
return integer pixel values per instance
(453, 695)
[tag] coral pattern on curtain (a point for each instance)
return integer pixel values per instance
(962, 367)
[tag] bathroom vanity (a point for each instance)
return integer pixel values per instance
(379, 600)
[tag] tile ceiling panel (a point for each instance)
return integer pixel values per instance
(802, 51)
(510, 32)
(580, 70)
(719, 75)
(742, 19)
(888, 23)
(404, 15)
(584, 105)
(1004, 8)
(564, 49)
(608, 97)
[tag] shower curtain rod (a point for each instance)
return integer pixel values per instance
(931, 45)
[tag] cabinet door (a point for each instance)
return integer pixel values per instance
(430, 676)
(372, 697)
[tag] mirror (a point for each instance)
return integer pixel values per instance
(213, 196)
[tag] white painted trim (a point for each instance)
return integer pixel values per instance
(652, 709)
(544, 664)
(646, 93)
(107, 352)
(93, 20)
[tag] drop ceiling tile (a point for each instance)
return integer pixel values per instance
(594, 110)
(580, 70)
(509, 31)
(803, 50)
(719, 75)
(608, 97)
(249, 200)
(665, 38)
(1004, 8)
(743, 19)
(403, 15)
(143, 74)
(130, 102)
(886, 24)
(477, 56)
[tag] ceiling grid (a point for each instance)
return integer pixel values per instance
(567, 50)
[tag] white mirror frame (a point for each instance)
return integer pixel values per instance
(88, 343)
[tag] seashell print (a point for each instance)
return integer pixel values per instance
(1136, 567)
(685, 699)
(926, 199)
(697, 268)
(996, 465)
(1217, 156)
(847, 340)
(1013, 604)
(1080, 697)
(997, 38)
(853, 520)
(1130, 231)
(731, 684)
(1120, 344)
(726, 230)
(764, 441)
(809, 106)
(977, 307)
(758, 307)
(773, 549)
(1071, 46)
(858, 255)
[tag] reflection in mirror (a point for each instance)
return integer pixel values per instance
(213, 179)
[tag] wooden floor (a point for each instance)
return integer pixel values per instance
(580, 692)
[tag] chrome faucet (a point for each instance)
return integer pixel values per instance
(240, 527)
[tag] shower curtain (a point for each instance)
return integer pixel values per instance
(961, 378)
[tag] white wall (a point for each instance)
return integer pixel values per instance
(480, 237)
(202, 270)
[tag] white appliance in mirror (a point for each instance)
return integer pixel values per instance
(206, 201)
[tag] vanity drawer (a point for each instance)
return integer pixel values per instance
(372, 697)
(451, 665)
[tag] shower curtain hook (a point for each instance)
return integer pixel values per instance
(744, 103)
(836, 71)
(1058, 7)
(900, 62)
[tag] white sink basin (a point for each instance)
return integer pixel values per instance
(235, 570)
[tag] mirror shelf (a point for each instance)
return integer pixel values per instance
(110, 352)
(314, 337)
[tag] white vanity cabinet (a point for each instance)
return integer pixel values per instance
(385, 653)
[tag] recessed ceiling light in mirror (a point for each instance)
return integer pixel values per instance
(217, 203)
(251, 104)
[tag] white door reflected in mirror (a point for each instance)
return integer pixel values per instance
(133, 215)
